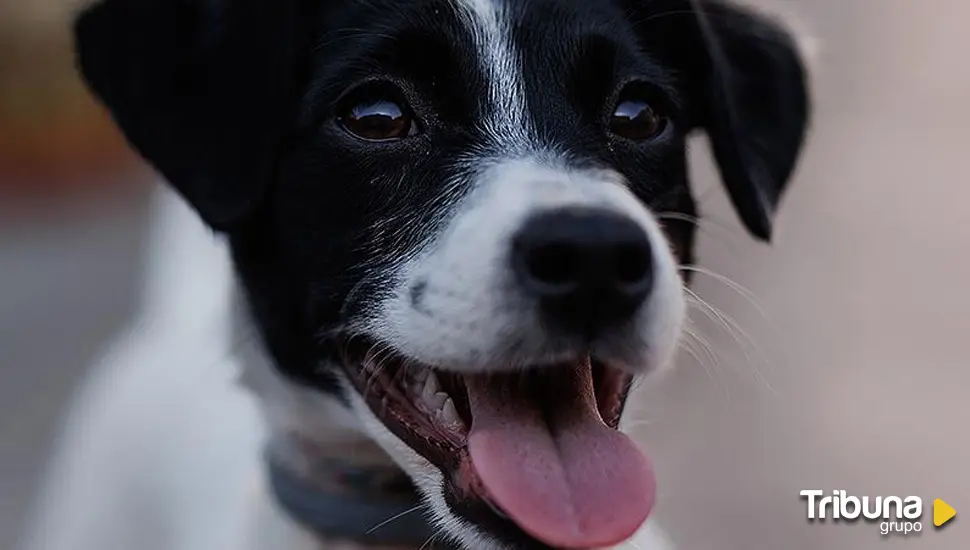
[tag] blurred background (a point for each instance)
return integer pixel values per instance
(840, 358)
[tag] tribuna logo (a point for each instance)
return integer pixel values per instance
(895, 514)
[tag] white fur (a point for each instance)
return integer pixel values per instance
(164, 450)
(472, 315)
(507, 121)
(472, 312)
(163, 447)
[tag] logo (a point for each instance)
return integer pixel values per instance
(942, 513)
(895, 515)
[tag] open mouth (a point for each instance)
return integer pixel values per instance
(539, 446)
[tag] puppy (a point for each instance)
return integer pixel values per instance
(456, 227)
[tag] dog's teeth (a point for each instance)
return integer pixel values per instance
(437, 400)
(448, 413)
(431, 388)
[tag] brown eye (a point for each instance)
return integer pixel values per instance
(636, 120)
(380, 120)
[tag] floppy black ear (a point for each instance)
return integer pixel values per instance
(202, 89)
(747, 89)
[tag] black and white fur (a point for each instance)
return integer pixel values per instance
(407, 243)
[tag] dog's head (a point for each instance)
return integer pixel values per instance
(463, 218)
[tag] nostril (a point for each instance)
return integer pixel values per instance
(591, 251)
(556, 265)
(632, 264)
(587, 268)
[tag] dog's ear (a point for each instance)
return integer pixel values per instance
(748, 90)
(203, 89)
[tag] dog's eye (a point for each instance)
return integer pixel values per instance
(378, 120)
(636, 120)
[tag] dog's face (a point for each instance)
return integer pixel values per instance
(463, 218)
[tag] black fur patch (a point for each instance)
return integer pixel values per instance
(235, 103)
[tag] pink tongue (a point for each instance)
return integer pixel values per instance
(562, 475)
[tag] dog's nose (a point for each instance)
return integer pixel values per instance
(587, 268)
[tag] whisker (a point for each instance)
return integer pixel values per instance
(741, 337)
(724, 235)
(712, 370)
(730, 283)
(431, 538)
(379, 362)
(394, 518)
(692, 331)
(697, 220)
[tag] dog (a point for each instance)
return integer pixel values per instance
(454, 228)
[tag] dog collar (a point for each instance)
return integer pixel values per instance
(339, 500)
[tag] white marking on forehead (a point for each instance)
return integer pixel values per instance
(506, 121)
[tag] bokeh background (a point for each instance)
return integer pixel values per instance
(844, 363)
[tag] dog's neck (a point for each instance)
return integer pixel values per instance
(314, 426)
(322, 467)
(316, 423)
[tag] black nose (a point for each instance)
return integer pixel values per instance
(587, 268)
